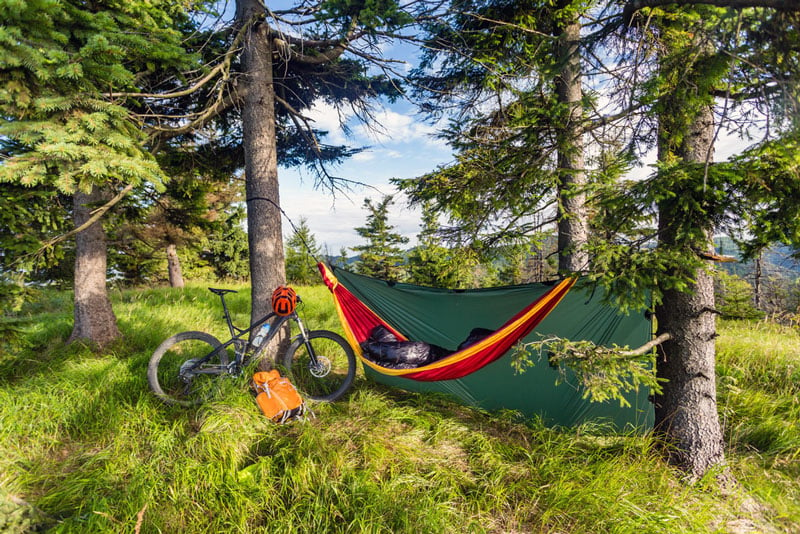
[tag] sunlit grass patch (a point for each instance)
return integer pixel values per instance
(86, 445)
(759, 400)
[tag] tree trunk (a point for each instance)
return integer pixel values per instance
(95, 321)
(757, 281)
(264, 234)
(572, 218)
(174, 266)
(261, 165)
(686, 410)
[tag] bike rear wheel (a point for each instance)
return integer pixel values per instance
(175, 374)
(334, 372)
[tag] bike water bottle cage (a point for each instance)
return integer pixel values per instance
(284, 300)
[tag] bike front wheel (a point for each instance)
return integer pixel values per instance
(184, 368)
(326, 375)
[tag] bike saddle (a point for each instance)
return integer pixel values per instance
(218, 291)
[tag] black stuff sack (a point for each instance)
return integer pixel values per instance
(475, 335)
(381, 334)
(407, 352)
(383, 348)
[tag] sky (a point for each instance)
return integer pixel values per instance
(406, 147)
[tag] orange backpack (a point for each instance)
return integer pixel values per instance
(277, 397)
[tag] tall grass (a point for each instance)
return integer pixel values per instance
(759, 397)
(85, 447)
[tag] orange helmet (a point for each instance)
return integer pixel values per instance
(284, 300)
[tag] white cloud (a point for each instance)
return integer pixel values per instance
(387, 127)
(333, 220)
(366, 155)
(393, 127)
(326, 117)
(379, 154)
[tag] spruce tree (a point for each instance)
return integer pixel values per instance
(225, 248)
(302, 252)
(284, 73)
(658, 231)
(59, 131)
(513, 73)
(382, 256)
(342, 260)
(430, 263)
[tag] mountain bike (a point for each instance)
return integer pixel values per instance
(184, 369)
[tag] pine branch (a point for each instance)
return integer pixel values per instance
(648, 346)
(221, 103)
(605, 373)
(632, 7)
(288, 44)
(222, 67)
(306, 131)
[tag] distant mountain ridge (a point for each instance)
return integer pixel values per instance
(776, 260)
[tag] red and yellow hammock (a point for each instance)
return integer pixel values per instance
(358, 321)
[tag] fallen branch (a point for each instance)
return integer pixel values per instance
(140, 520)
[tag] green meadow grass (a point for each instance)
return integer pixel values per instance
(85, 447)
(758, 367)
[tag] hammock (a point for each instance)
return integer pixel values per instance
(481, 375)
(358, 321)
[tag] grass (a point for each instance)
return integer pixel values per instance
(759, 397)
(85, 447)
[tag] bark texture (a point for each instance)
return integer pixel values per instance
(174, 266)
(572, 216)
(686, 411)
(94, 319)
(264, 232)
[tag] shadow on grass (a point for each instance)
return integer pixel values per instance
(93, 433)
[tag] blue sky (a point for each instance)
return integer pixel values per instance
(405, 147)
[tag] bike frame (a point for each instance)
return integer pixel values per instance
(241, 346)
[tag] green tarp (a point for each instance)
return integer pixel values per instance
(445, 317)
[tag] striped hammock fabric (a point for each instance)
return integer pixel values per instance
(358, 321)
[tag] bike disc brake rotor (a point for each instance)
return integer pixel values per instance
(322, 368)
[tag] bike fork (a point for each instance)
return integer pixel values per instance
(304, 336)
